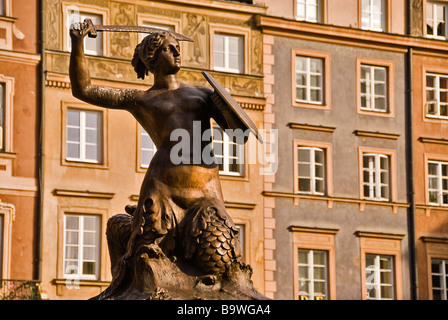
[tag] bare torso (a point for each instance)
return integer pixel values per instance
(160, 112)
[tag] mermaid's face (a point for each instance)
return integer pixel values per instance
(168, 59)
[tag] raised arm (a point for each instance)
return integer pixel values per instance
(82, 87)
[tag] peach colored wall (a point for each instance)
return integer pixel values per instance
(430, 220)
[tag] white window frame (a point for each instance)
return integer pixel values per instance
(83, 136)
(433, 8)
(309, 6)
(312, 170)
(225, 158)
(373, 276)
(78, 271)
(439, 178)
(370, 85)
(152, 148)
(308, 74)
(438, 91)
(443, 275)
(368, 12)
(226, 53)
(374, 172)
(310, 267)
(98, 41)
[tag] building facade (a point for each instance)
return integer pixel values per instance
(95, 159)
(19, 135)
(359, 205)
(429, 63)
(339, 200)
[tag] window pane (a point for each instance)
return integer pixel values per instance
(89, 238)
(88, 268)
(316, 65)
(436, 267)
(386, 292)
(304, 170)
(219, 51)
(73, 118)
(319, 273)
(89, 253)
(71, 252)
(432, 169)
(92, 152)
(73, 151)
(71, 222)
(301, 94)
(71, 237)
(304, 184)
(303, 256)
(304, 155)
(73, 134)
(380, 74)
(303, 272)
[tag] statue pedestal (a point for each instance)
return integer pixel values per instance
(156, 277)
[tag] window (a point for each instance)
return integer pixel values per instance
(436, 20)
(312, 274)
(436, 96)
(309, 80)
(93, 46)
(228, 53)
(373, 15)
(439, 273)
(311, 170)
(242, 237)
(376, 180)
(379, 277)
(229, 153)
(2, 117)
(148, 149)
(308, 10)
(381, 267)
(374, 88)
(438, 182)
(84, 136)
(314, 263)
(81, 246)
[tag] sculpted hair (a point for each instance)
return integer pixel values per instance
(146, 52)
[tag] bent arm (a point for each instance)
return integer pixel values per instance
(82, 87)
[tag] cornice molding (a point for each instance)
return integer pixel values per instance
(348, 36)
(19, 57)
(311, 127)
(371, 134)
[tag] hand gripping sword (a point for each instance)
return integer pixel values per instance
(92, 30)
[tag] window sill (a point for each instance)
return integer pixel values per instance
(83, 164)
(376, 113)
(331, 200)
(307, 105)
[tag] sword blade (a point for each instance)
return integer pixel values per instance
(140, 29)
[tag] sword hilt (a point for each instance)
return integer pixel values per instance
(91, 31)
